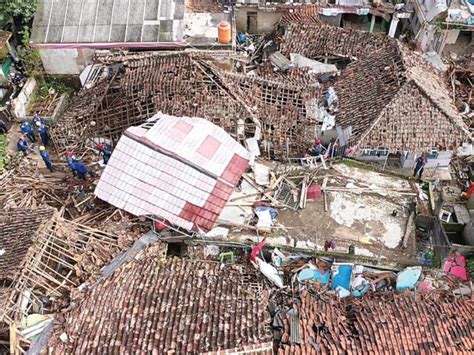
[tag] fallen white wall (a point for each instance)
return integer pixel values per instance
(66, 61)
(20, 103)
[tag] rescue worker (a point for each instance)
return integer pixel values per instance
(22, 145)
(3, 127)
(82, 170)
(70, 162)
(43, 132)
(420, 165)
(318, 148)
(105, 151)
(37, 118)
(27, 130)
(46, 158)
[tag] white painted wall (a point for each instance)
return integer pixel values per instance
(408, 160)
(66, 61)
(20, 103)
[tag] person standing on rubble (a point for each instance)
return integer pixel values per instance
(46, 158)
(22, 145)
(3, 127)
(37, 118)
(70, 162)
(318, 148)
(105, 151)
(420, 165)
(82, 170)
(43, 133)
(27, 130)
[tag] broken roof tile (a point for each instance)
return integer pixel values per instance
(17, 229)
(177, 305)
(380, 322)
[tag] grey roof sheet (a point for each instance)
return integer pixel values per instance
(94, 21)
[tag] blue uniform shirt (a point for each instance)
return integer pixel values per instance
(70, 162)
(22, 145)
(45, 157)
(42, 129)
(38, 118)
(26, 128)
(80, 168)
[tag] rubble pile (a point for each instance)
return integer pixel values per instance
(51, 256)
(461, 73)
(28, 185)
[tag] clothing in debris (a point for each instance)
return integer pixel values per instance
(3, 127)
(105, 151)
(22, 145)
(46, 158)
(27, 130)
(420, 166)
(43, 132)
(81, 170)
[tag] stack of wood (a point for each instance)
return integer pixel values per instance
(31, 185)
(45, 106)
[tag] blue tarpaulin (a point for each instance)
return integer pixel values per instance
(342, 276)
(314, 274)
(408, 278)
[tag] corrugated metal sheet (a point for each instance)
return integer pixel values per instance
(182, 170)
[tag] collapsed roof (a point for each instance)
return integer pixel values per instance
(17, 230)
(173, 306)
(201, 84)
(401, 103)
(179, 169)
(380, 323)
(42, 253)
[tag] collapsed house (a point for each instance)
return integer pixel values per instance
(162, 306)
(194, 84)
(42, 257)
(402, 105)
(181, 170)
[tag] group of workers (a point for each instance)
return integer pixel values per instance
(29, 134)
(78, 168)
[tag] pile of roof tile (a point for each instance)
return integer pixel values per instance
(17, 229)
(178, 306)
(329, 40)
(379, 323)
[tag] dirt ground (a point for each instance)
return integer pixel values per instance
(312, 226)
(373, 222)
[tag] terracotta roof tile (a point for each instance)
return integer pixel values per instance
(399, 94)
(179, 306)
(383, 323)
(17, 229)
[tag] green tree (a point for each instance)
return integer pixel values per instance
(20, 9)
